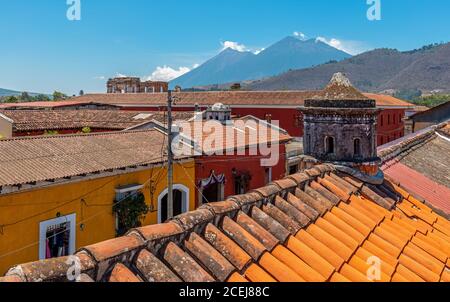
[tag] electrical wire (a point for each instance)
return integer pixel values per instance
(77, 225)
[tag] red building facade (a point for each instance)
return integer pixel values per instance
(219, 177)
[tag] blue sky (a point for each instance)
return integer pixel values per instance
(42, 51)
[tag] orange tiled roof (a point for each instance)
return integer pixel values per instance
(320, 225)
(233, 98)
(262, 134)
(29, 120)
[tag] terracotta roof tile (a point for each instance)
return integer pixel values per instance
(352, 221)
(292, 211)
(209, 257)
(243, 238)
(256, 230)
(344, 227)
(338, 278)
(278, 269)
(353, 274)
(237, 278)
(184, 265)
(337, 233)
(264, 237)
(408, 274)
(390, 236)
(422, 257)
(375, 250)
(297, 265)
(113, 248)
(321, 193)
(270, 224)
(310, 257)
(153, 269)
(418, 269)
(320, 205)
(285, 220)
(332, 186)
(328, 239)
(255, 273)
(310, 212)
(121, 273)
(386, 267)
(320, 248)
(227, 247)
(365, 268)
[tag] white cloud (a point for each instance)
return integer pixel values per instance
(120, 75)
(234, 46)
(101, 78)
(351, 47)
(300, 35)
(167, 73)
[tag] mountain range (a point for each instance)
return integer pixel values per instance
(381, 70)
(8, 92)
(235, 66)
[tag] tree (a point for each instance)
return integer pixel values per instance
(25, 97)
(59, 96)
(81, 93)
(41, 98)
(11, 99)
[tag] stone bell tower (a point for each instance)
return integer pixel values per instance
(340, 127)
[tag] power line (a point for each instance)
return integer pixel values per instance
(77, 225)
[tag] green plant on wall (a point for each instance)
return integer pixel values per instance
(130, 212)
(51, 132)
(86, 130)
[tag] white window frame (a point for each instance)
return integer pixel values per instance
(185, 203)
(43, 226)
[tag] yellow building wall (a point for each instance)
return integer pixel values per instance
(19, 242)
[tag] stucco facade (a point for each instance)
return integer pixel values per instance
(89, 201)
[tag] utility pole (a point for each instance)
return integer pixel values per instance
(169, 157)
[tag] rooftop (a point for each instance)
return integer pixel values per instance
(420, 163)
(235, 134)
(320, 225)
(29, 120)
(231, 98)
(48, 158)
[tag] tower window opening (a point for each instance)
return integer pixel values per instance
(329, 145)
(357, 147)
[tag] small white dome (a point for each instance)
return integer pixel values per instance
(219, 106)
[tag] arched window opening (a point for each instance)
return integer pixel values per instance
(177, 205)
(357, 147)
(329, 145)
(180, 202)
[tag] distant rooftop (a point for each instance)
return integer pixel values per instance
(420, 163)
(32, 120)
(230, 98)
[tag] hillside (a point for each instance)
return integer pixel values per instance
(427, 69)
(234, 66)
